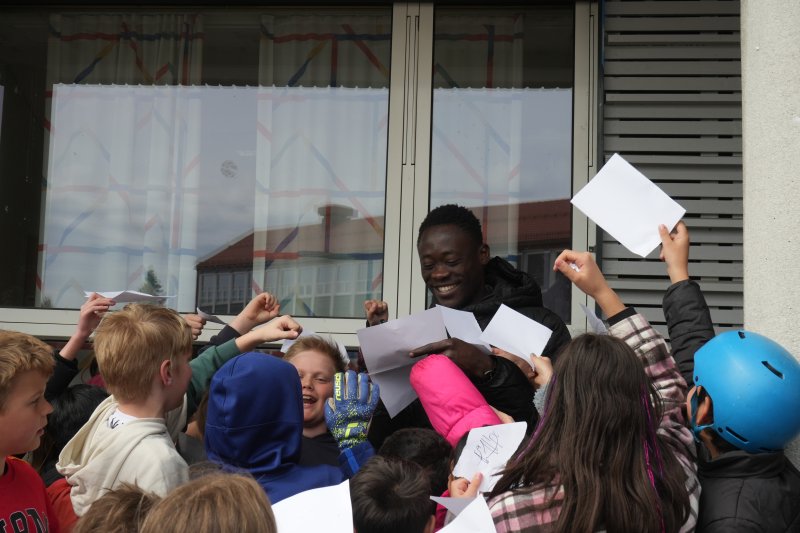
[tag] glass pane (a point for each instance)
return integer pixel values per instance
(201, 145)
(502, 131)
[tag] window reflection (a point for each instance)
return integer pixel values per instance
(502, 131)
(216, 191)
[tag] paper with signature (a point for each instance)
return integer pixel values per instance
(626, 204)
(516, 334)
(487, 451)
(332, 511)
(128, 296)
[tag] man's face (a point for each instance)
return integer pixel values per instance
(452, 265)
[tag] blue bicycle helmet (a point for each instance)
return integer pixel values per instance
(754, 384)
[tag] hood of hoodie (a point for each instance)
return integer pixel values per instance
(255, 423)
(452, 403)
(98, 458)
(505, 285)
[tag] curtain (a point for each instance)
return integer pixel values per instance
(121, 187)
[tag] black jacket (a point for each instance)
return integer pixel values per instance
(507, 389)
(742, 492)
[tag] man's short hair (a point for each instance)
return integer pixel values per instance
(455, 215)
(19, 353)
(131, 344)
(390, 496)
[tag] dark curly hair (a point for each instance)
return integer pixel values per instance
(456, 215)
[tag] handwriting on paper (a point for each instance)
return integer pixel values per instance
(487, 451)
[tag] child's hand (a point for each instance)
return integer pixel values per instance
(377, 311)
(259, 310)
(675, 251)
(92, 312)
(196, 322)
(283, 327)
(461, 488)
(581, 269)
(349, 411)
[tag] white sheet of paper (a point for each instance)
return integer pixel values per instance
(594, 321)
(209, 317)
(454, 505)
(487, 451)
(386, 346)
(128, 296)
(517, 334)
(327, 509)
(462, 325)
(626, 204)
(475, 518)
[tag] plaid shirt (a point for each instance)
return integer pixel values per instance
(515, 512)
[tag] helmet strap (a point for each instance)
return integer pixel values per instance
(697, 428)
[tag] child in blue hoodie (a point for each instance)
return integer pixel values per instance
(255, 423)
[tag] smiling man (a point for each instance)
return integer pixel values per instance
(460, 273)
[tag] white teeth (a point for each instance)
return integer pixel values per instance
(445, 289)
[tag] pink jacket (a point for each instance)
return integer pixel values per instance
(451, 401)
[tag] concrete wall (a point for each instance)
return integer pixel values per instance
(771, 145)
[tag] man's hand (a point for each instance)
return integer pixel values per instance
(581, 269)
(259, 310)
(467, 356)
(377, 312)
(526, 369)
(196, 322)
(283, 327)
(675, 251)
(349, 411)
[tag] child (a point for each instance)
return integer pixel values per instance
(424, 447)
(217, 502)
(255, 423)
(122, 510)
(26, 364)
(316, 360)
(143, 352)
(611, 451)
(391, 496)
(742, 381)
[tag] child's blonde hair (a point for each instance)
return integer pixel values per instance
(326, 347)
(213, 502)
(131, 344)
(19, 353)
(121, 510)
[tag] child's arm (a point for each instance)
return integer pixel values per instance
(260, 310)
(688, 319)
(91, 313)
(208, 362)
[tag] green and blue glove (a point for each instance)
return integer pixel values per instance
(350, 410)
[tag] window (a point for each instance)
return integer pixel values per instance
(205, 154)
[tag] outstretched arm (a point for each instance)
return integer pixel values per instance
(688, 318)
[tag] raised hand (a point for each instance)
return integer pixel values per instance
(581, 269)
(377, 311)
(196, 322)
(467, 356)
(283, 327)
(460, 487)
(349, 411)
(675, 251)
(91, 313)
(260, 310)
